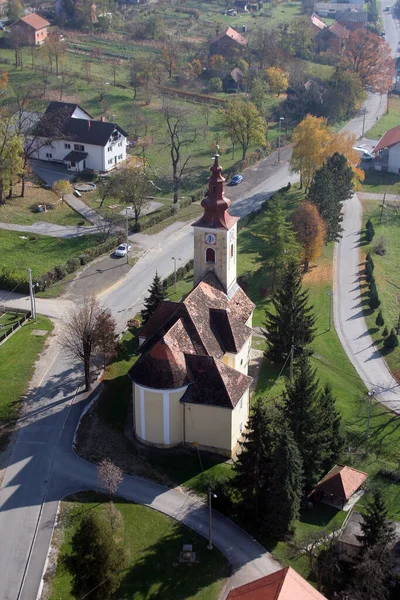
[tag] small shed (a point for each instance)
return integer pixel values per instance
(337, 487)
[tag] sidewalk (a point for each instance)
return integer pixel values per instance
(348, 313)
(83, 209)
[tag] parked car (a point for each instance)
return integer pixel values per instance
(236, 179)
(121, 250)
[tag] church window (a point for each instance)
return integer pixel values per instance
(213, 189)
(210, 255)
(231, 250)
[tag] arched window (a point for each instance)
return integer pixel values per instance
(214, 189)
(231, 250)
(210, 255)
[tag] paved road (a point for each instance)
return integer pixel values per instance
(50, 229)
(348, 311)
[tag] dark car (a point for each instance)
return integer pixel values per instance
(236, 179)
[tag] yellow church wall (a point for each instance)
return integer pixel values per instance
(153, 402)
(176, 417)
(225, 265)
(240, 416)
(209, 426)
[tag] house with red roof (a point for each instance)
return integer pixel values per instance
(338, 486)
(228, 43)
(31, 30)
(285, 584)
(387, 151)
(190, 383)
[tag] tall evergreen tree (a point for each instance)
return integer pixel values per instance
(285, 486)
(377, 529)
(253, 467)
(291, 323)
(301, 402)
(330, 424)
(331, 186)
(279, 243)
(155, 297)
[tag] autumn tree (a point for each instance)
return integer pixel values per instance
(370, 57)
(180, 134)
(81, 333)
(110, 477)
(132, 187)
(264, 44)
(344, 94)
(56, 49)
(277, 80)
(11, 156)
(243, 123)
(169, 52)
(107, 337)
(310, 231)
(62, 188)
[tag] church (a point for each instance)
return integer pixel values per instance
(190, 384)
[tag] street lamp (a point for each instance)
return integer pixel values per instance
(210, 496)
(175, 258)
(279, 138)
(330, 309)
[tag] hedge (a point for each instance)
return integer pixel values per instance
(180, 274)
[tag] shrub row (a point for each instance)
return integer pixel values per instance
(194, 12)
(162, 214)
(389, 474)
(11, 278)
(180, 274)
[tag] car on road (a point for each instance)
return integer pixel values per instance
(121, 250)
(236, 179)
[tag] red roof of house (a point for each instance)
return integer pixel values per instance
(338, 30)
(390, 138)
(341, 482)
(232, 33)
(34, 21)
(315, 20)
(285, 584)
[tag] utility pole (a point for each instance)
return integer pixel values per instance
(363, 129)
(291, 364)
(371, 394)
(382, 207)
(279, 139)
(175, 258)
(31, 295)
(210, 496)
(127, 235)
(330, 309)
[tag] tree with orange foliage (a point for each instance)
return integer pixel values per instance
(313, 142)
(310, 230)
(277, 79)
(4, 81)
(369, 56)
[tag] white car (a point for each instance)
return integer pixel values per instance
(121, 250)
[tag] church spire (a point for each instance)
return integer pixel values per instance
(215, 204)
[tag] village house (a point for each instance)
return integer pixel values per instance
(79, 141)
(331, 38)
(190, 384)
(350, 541)
(317, 24)
(339, 486)
(387, 152)
(330, 9)
(228, 43)
(285, 584)
(30, 30)
(352, 19)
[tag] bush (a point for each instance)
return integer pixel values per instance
(391, 341)
(385, 331)
(216, 84)
(389, 474)
(72, 265)
(60, 272)
(368, 272)
(379, 319)
(83, 259)
(380, 247)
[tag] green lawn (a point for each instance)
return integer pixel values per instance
(153, 542)
(386, 275)
(40, 253)
(17, 359)
(376, 182)
(387, 121)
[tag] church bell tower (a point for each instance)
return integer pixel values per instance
(215, 234)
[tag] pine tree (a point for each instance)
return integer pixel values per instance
(97, 560)
(368, 272)
(369, 231)
(332, 185)
(368, 259)
(282, 502)
(253, 467)
(301, 403)
(379, 321)
(374, 301)
(279, 243)
(155, 297)
(391, 341)
(329, 421)
(376, 528)
(291, 323)
(385, 331)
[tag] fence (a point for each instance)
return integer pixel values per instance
(15, 326)
(191, 96)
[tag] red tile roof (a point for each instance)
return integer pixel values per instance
(317, 22)
(232, 33)
(338, 30)
(341, 482)
(390, 138)
(285, 584)
(34, 21)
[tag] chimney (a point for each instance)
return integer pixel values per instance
(103, 119)
(88, 124)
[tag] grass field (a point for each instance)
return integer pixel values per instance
(386, 275)
(40, 253)
(153, 542)
(17, 359)
(387, 121)
(20, 211)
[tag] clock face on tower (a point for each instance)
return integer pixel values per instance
(210, 239)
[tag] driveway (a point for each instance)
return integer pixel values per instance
(51, 172)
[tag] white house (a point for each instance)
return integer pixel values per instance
(329, 9)
(79, 141)
(387, 152)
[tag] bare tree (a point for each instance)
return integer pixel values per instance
(110, 476)
(81, 333)
(107, 336)
(105, 187)
(132, 186)
(180, 134)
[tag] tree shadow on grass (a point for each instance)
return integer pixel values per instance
(157, 572)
